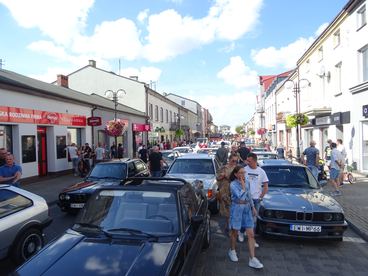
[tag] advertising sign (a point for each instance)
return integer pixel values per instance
(94, 121)
(32, 116)
(141, 127)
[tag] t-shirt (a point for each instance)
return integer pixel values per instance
(328, 152)
(73, 152)
(100, 152)
(6, 171)
(342, 150)
(311, 154)
(143, 154)
(243, 152)
(335, 156)
(155, 161)
(256, 178)
(222, 154)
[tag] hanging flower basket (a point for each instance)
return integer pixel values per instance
(296, 119)
(261, 131)
(115, 127)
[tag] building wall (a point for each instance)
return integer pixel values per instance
(191, 105)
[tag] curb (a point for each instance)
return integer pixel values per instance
(356, 229)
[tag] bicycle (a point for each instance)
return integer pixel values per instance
(347, 174)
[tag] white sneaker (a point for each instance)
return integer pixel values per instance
(232, 255)
(240, 237)
(256, 245)
(255, 263)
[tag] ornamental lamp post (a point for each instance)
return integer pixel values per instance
(115, 96)
(296, 85)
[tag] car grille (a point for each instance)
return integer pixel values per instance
(79, 198)
(304, 216)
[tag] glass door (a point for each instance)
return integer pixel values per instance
(42, 152)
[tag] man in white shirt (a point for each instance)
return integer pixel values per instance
(341, 149)
(100, 153)
(335, 168)
(258, 182)
(73, 154)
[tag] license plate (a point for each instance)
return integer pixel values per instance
(77, 205)
(305, 228)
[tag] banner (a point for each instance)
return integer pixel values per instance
(31, 116)
(141, 127)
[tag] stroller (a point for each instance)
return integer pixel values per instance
(322, 174)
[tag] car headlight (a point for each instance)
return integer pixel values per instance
(62, 196)
(279, 214)
(267, 213)
(338, 217)
(327, 217)
(67, 197)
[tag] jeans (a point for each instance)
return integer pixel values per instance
(314, 171)
(156, 173)
(75, 164)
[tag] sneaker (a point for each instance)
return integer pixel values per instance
(256, 245)
(232, 255)
(241, 237)
(338, 193)
(255, 263)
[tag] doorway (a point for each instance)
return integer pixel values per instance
(42, 151)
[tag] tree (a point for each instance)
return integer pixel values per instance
(239, 130)
(296, 119)
(179, 133)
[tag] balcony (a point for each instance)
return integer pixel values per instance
(175, 126)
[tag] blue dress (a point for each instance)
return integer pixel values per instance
(240, 214)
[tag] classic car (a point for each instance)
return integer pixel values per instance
(296, 206)
(74, 197)
(157, 227)
(169, 156)
(193, 167)
(23, 216)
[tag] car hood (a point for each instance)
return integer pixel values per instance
(295, 199)
(81, 255)
(207, 179)
(89, 185)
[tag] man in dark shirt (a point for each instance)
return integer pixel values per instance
(142, 153)
(222, 154)
(155, 162)
(243, 152)
(3, 153)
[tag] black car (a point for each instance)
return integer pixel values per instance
(296, 206)
(74, 197)
(157, 227)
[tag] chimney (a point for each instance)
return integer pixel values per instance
(62, 81)
(92, 63)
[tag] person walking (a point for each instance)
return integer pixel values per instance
(243, 153)
(10, 173)
(335, 167)
(341, 148)
(142, 153)
(222, 154)
(242, 211)
(73, 155)
(155, 162)
(280, 151)
(312, 155)
(120, 150)
(100, 153)
(327, 152)
(223, 184)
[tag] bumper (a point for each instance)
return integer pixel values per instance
(67, 206)
(282, 229)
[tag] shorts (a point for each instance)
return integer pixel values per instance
(334, 174)
(241, 216)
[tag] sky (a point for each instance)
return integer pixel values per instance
(210, 51)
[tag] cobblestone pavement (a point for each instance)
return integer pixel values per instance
(285, 256)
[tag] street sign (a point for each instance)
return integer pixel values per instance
(365, 111)
(94, 121)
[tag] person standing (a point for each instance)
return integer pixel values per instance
(100, 153)
(280, 151)
(242, 211)
(3, 153)
(10, 173)
(243, 153)
(258, 182)
(341, 148)
(155, 162)
(120, 150)
(113, 151)
(142, 153)
(222, 154)
(86, 157)
(73, 155)
(312, 156)
(335, 167)
(328, 152)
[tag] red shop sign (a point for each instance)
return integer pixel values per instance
(94, 121)
(31, 116)
(141, 127)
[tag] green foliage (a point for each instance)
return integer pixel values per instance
(295, 119)
(239, 130)
(179, 132)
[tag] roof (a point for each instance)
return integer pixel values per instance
(20, 81)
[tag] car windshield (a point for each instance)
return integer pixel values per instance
(290, 177)
(192, 166)
(111, 170)
(139, 211)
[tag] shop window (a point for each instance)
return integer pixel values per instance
(6, 138)
(60, 147)
(28, 148)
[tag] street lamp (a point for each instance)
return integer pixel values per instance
(115, 96)
(296, 89)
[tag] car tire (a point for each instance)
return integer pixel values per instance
(26, 245)
(207, 236)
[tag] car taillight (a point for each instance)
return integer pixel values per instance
(209, 193)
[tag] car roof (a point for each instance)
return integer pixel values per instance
(152, 183)
(195, 156)
(118, 161)
(265, 162)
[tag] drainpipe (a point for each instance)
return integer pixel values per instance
(93, 128)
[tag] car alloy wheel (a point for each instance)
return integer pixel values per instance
(28, 243)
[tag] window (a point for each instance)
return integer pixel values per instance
(131, 169)
(167, 116)
(182, 102)
(6, 138)
(60, 147)
(361, 17)
(11, 202)
(364, 62)
(74, 136)
(338, 78)
(171, 117)
(336, 38)
(161, 114)
(174, 117)
(320, 53)
(28, 149)
(156, 113)
(150, 111)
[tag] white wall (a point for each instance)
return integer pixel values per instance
(191, 105)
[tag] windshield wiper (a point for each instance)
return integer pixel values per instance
(132, 231)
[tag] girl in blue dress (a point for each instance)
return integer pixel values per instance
(241, 215)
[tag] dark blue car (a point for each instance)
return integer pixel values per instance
(156, 227)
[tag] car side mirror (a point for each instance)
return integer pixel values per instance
(197, 221)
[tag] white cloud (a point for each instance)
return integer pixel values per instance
(321, 29)
(238, 74)
(142, 16)
(51, 74)
(145, 74)
(60, 20)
